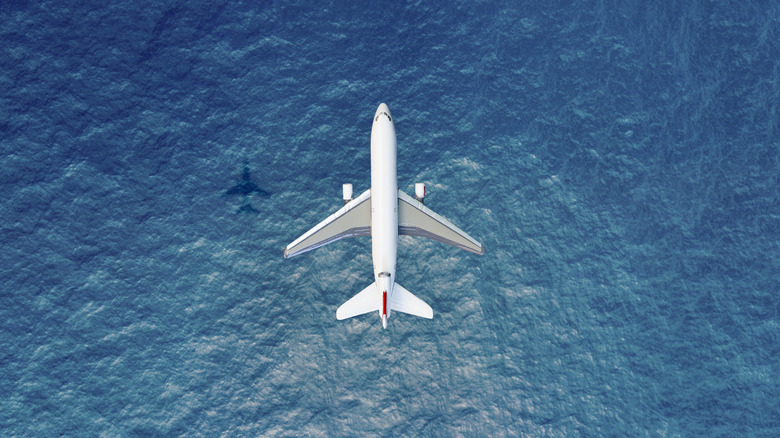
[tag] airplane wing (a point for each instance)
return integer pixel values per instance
(415, 219)
(352, 220)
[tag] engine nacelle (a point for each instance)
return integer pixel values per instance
(419, 192)
(347, 188)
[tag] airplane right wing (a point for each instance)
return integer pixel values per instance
(352, 220)
(415, 219)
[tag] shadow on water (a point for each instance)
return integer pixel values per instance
(246, 187)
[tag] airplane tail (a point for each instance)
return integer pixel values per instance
(370, 300)
(405, 301)
(365, 301)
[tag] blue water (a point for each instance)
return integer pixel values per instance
(619, 160)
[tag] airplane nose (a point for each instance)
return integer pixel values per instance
(383, 113)
(384, 321)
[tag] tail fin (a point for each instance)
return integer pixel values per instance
(366, 301)
(404, 301)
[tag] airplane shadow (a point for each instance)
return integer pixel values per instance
(246, 187)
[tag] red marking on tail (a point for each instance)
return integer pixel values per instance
(384, 303)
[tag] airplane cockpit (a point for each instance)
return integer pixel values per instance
(376, 119)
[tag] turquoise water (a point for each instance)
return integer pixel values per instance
(619, 160)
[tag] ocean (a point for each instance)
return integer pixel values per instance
(618, 159)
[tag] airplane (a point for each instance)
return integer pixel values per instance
(383, 212)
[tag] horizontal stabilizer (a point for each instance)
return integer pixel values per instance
(404, 301)
(415, 219)
(367, 300)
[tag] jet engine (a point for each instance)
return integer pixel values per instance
(419, 192)
(347, 188)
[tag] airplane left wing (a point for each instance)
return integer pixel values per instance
(352, 220)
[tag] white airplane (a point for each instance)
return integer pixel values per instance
(383, 212)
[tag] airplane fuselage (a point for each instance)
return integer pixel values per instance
(384, 205)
